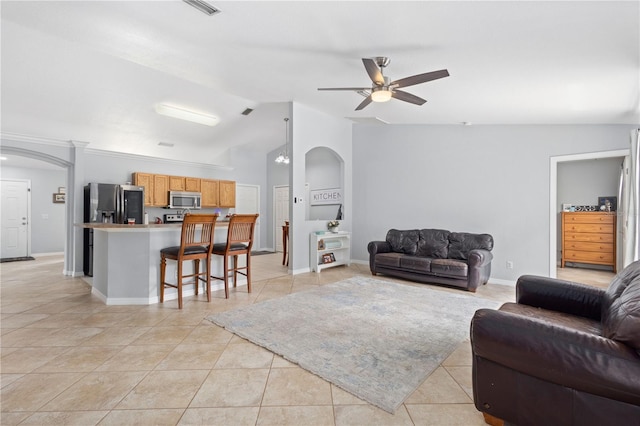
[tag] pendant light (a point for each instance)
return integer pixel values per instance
(284, 158)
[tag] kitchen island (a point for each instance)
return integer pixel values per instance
(126, 262)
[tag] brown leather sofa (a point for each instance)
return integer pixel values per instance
(564, 354)
(434, 256)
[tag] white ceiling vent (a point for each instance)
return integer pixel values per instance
(203, 6)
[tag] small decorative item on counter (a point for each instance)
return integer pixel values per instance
(333, 225)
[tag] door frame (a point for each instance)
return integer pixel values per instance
(553, 195)
(28, 182)
(256, 233)
(275, 224)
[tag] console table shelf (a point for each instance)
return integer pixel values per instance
(330, 245)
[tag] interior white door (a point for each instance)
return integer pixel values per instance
(281, 212)
(14, 218)
(248, 202)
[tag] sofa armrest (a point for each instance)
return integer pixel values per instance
(560, 295)
(478, 258)
(557, 354)
(375, 247)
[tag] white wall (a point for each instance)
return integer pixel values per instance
(490, 179)
(47, 217)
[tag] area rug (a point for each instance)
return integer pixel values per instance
(375, 339)
(16, 259)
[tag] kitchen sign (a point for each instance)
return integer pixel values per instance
(326, 196)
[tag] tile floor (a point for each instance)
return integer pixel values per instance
(69, 359)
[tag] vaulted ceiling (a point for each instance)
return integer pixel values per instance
(94, 70)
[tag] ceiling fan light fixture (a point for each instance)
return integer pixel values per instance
(381, 94)
(203, 6)
(185, 114)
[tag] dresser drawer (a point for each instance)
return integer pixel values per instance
(588, 257)
(593, 237)
(587, 217)
(588, 227)
(583, 246)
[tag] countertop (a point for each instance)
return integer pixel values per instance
(121, 226)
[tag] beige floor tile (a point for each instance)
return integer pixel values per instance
(445, 414)
(137, 358)
(96, 391)
(357, 415)
(79, 418)
(439, 388)
(299, 415)
(236, 387)
(60, 320)
(192, 357)
(79, 359)
(24, 337)
(236, 416)
(165, 389)
(280, 362)
(32, 391)
(7, 379)
(11, 419)
(462, 375)
(295, 386)
(208, 333)
(116, 336)
(69, 336)
(342, 397)
(461, 356)
(164, 335)
(25, 360)
(159, 417)
(244, 355)
(22, 320)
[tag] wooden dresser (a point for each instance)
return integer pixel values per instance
(589, 237)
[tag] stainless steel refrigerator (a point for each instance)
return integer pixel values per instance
(109, 203)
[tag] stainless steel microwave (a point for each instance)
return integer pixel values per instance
(184, 200)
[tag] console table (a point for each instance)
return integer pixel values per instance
(329, 249)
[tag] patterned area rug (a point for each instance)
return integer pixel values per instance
(375, 339)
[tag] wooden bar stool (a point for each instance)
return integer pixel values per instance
(239, 242)
(194, 246)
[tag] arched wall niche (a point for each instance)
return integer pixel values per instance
(324, 183)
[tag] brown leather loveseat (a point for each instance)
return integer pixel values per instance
(564, 354)
(434, 256)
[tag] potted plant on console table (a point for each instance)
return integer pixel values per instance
(333, 225)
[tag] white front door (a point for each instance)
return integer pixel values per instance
(14, 218)
(248, 202)
(281, 212)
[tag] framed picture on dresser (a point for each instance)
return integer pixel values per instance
(608, 204)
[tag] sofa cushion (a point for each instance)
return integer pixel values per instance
(621, 307)
(415, 263)
(450, 268)
(403, 241)
(433, 243)
(461, 243)
(388, 259)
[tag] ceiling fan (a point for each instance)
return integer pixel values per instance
(383, 90)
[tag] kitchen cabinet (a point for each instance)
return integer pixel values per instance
(160, 190)
(227, 193)
(329, 249)
(192, 184)
(146, 181)
(589, 237)
(176, 183)
(210, 190)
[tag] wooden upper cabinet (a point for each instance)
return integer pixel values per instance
(160, 190)
(210, 192)
(192, 184)
(145, 180)
(227, 193)
(176, 183)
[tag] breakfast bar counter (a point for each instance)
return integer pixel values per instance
(126, 261)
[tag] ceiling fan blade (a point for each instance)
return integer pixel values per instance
(356, 89)
(374, 71)
(420, 78)
(364, 103)
(407, 97)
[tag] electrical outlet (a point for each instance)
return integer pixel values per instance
(509, 264)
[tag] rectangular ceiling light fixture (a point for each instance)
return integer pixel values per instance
(203, 6)
(185, 114)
